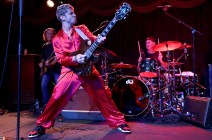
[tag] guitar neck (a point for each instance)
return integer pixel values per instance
(95, 44)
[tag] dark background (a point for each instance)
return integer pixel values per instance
(145, 19)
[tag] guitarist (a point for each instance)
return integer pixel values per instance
(65, 42)
(50, 68)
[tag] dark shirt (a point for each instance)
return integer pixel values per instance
(152, 56)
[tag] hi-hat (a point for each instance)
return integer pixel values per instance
(167, 46)
(121, 65)
(106, 53)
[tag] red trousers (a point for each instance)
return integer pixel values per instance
(67, 85)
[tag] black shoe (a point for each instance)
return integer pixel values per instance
(124, 128)
(38, 130)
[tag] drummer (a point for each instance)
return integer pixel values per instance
(150, 53)
(155, 56)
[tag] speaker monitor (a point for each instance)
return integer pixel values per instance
(81, 106)
(198, 111)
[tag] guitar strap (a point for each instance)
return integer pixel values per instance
(82, 35)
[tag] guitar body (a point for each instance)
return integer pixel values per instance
(86, 68)
(42, 71)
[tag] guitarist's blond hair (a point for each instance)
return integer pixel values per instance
(62, 10)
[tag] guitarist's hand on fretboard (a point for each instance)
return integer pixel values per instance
(79, 58)
(100, 39)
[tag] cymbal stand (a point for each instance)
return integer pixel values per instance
(104, 70)
(160, 91)
(168, 69)
(171, 85)
(193, 31)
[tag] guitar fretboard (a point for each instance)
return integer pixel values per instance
(92, 48)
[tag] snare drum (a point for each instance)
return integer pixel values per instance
(131, 95)
(148, 68)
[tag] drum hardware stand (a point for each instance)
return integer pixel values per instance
(104, 67)
(104, 71)
(151, 104)
(160, 92)
(193, 31)
(171, 89)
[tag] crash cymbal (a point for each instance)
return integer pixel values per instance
(121, 65)
(167, 46)
(175, 63)
(106, 53)
(185, 46)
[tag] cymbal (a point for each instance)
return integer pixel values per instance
(121, 65)
(106, 53)
(175, 63)
(167, 46)
(185, 46)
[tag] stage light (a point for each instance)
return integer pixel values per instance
(50, 3)
(61, 2)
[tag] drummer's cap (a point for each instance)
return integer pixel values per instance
(151, 38)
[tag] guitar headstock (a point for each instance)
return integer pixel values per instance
(122, 12)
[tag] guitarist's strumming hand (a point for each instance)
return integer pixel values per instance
(51, 62)
(79, 58)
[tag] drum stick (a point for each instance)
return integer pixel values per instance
(139, 48)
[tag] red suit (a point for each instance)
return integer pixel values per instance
(69, 82)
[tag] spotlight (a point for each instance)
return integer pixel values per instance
(50, 3)
(60, 2)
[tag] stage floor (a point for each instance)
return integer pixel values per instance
(169, 127)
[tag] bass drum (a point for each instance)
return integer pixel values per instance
(131, 96)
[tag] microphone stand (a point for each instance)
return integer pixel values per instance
(193, 36)
(102, 25)
(19, 72)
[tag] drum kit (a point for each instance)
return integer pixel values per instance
(155, 90)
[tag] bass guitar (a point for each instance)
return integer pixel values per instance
(47, 64)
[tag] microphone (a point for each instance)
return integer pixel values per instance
(104, 22)
(164, 6)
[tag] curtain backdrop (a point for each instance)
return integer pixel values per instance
(144, 20)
